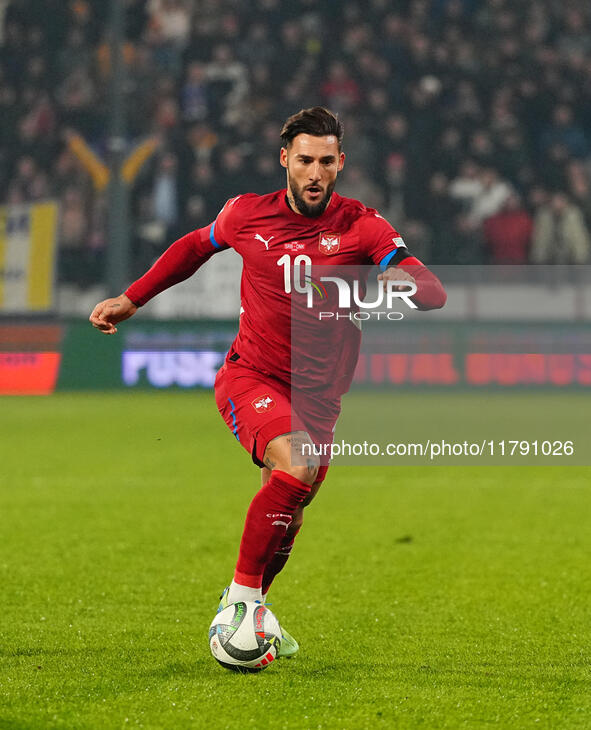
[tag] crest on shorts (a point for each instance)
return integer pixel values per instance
(329, 243)
(263, 403)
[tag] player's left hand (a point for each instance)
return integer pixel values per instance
(395, 274)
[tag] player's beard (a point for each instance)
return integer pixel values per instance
(312, 211)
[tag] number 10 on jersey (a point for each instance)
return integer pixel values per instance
(300, 262)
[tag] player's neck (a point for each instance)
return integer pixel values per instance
(291, 205)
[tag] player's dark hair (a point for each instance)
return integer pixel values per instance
(316, 121)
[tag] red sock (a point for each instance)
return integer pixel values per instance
(268, 517)
(277, 562)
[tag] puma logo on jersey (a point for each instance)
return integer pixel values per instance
(258, 237)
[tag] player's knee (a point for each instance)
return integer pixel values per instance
(305, 473)
(283, 451)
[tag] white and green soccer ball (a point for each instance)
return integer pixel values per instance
(245, 637)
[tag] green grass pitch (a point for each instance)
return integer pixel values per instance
(422, 597)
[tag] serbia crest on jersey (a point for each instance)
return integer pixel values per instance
(329, 243)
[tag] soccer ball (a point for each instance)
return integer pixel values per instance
(245, 637)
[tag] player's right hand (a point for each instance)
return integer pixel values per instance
(109, 312)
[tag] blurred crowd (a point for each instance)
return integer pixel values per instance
(467, 122)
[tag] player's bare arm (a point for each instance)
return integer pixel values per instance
(110, 312)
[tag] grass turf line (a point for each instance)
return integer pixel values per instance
(439, 597)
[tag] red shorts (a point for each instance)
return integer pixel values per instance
(258, 408)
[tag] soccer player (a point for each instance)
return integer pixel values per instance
(253, 388)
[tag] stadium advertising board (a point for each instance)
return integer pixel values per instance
(184, 356)
(30, 359)
(185, 368)
(37, 359)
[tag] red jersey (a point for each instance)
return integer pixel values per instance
(270, 237)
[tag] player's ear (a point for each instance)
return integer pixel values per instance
(283, 157)
(341, 161)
